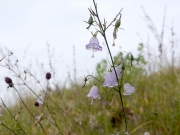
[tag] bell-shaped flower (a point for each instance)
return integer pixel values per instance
(93, 93)
(128, 89)
(110, 80)
(94, 45)
(118, 71)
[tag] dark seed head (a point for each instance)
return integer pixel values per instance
(48, 75)
(36, 104)
(9, 81)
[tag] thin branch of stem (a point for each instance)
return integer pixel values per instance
(12, 116)
(114, 19)
(1, 123)
(28, 109)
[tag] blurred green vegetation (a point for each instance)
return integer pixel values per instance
(153, 107)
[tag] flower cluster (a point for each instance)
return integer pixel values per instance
(112, 76)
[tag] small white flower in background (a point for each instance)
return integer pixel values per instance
(93, 93)
(128, 89)
(38, 118)
(0, 111)
(146, 133)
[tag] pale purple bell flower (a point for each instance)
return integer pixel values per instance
(110, 80)
(93, 93)
(118, 71)
(94, 45)
(128, 89)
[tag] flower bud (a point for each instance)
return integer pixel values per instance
(48, 75)
(118, 23)
(36, 104)
(9, 81)
(90, 22)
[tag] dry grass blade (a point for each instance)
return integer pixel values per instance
(2, 58)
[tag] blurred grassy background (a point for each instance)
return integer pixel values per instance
(155, 103)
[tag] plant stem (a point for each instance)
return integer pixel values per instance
(28, 109)
(7, 128)
(12, 116)
(119, 87)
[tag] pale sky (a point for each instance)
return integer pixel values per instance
(35, 23)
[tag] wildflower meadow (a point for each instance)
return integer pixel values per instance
(127, 94)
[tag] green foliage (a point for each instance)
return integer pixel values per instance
(140, 58)
(137, 62)
(155, 103)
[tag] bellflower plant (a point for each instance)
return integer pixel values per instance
(110, 80)
(94, 45)
(117, 69)
(128, 89)
(114, 77)
(93, 93)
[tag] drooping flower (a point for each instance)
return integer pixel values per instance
(128, 89)
(94, 45)
(93, 93)
(110, 80)
(146, 133)
(117, 69)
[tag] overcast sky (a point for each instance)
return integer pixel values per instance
(34, 23)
